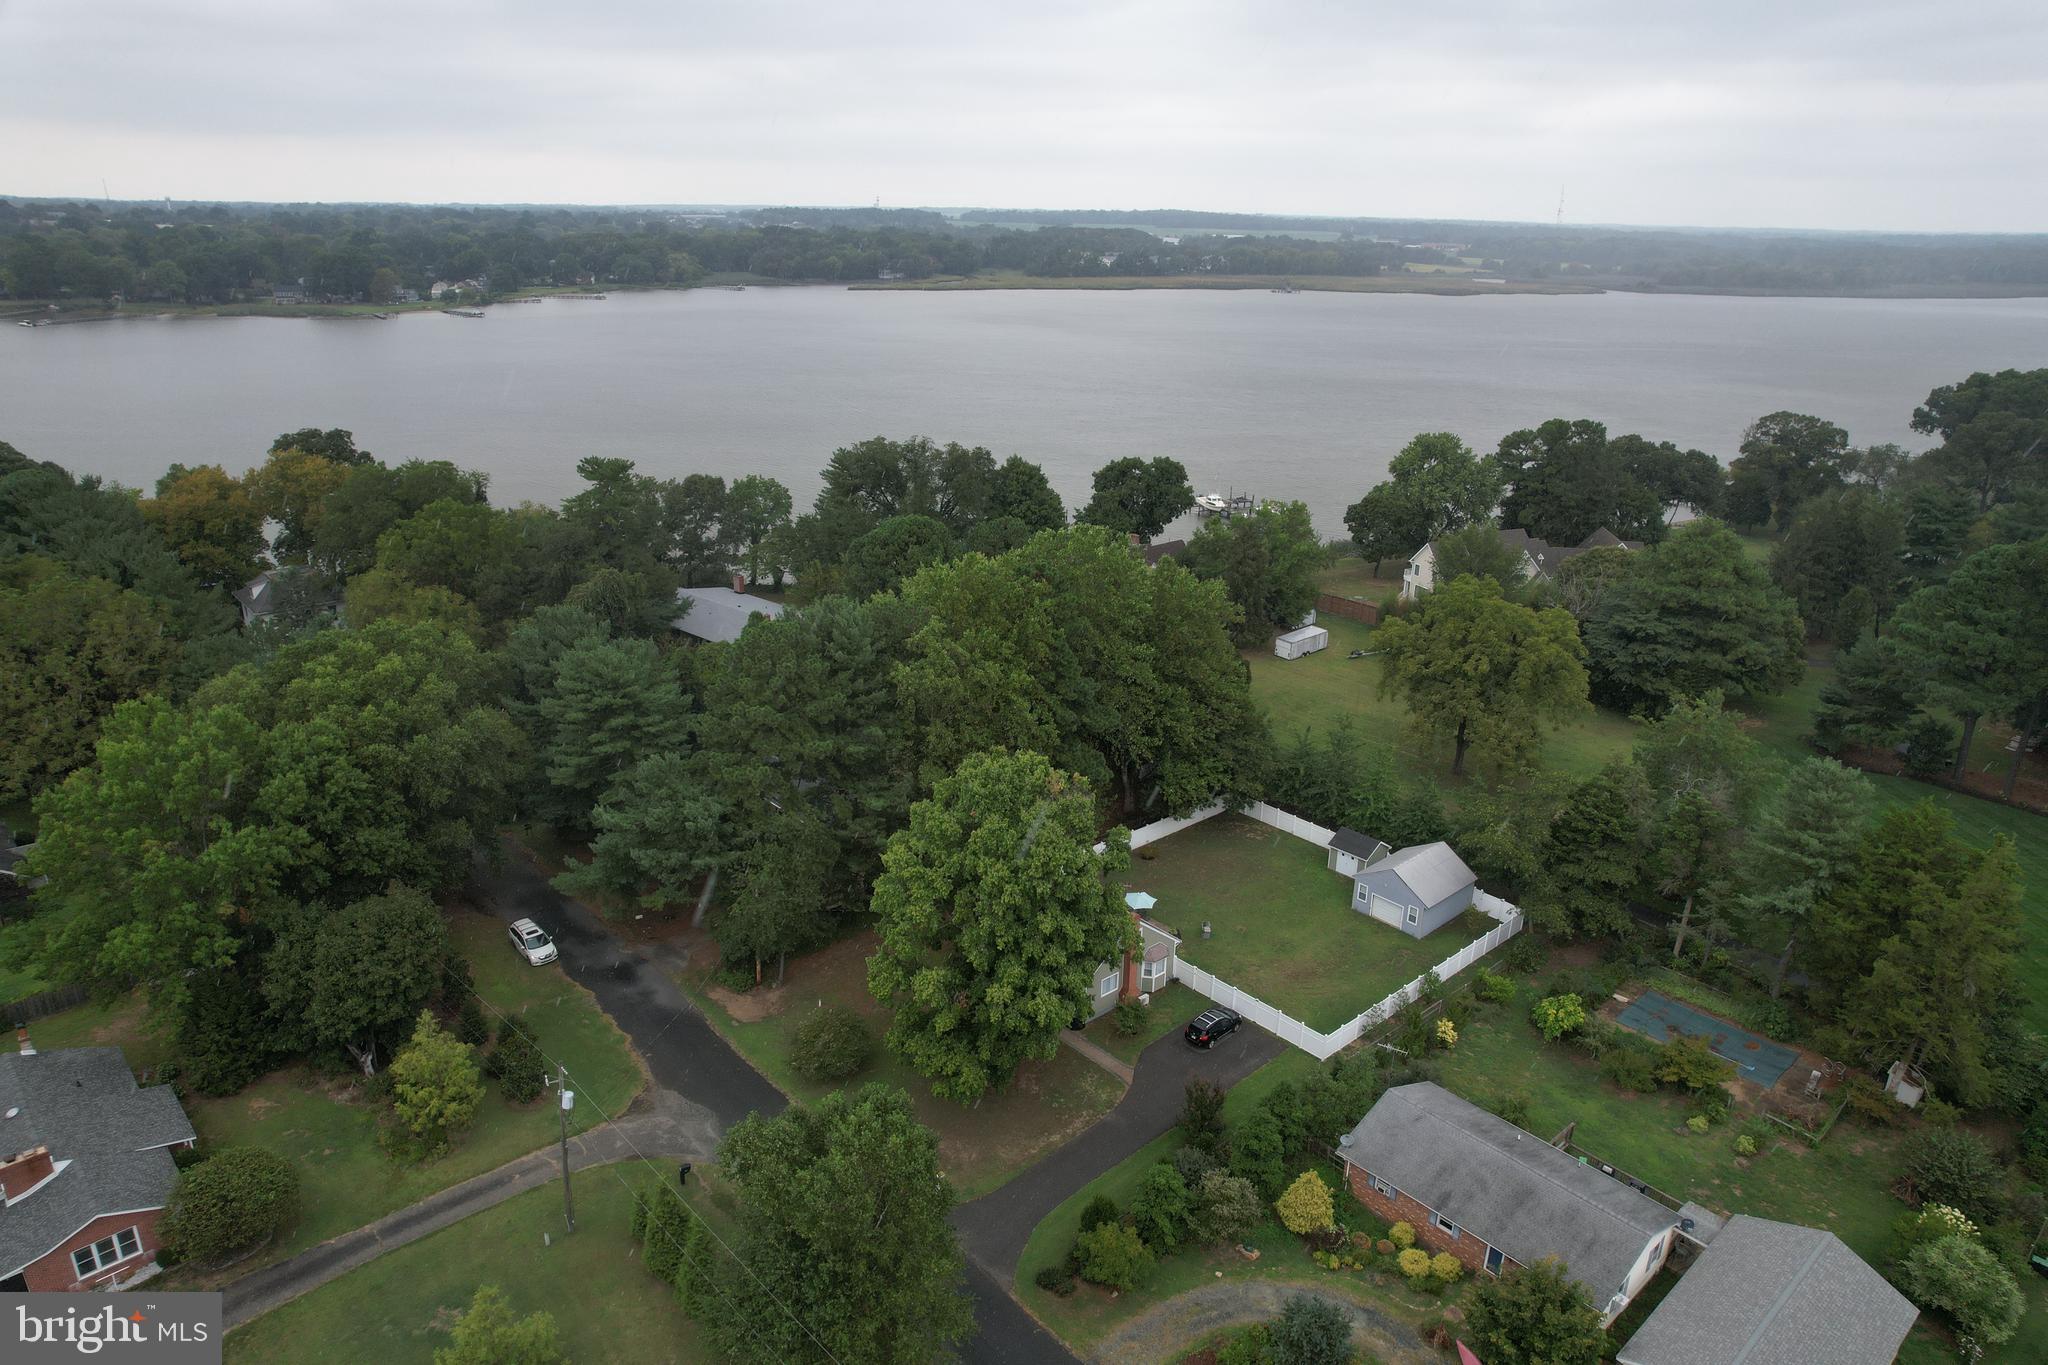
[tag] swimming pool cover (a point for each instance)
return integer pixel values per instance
(1757, 1059)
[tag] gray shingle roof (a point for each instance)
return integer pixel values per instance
(1767, 1293)
(720, 613)
(1357, 844)
(83, 1104)
(1433, 872)
(1509, 1188)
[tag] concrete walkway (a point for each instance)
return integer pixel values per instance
(1098, 1056)
(1173, 1327)
(663, 1131)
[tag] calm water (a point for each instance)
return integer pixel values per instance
(1296, 396)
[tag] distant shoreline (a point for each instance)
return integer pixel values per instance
(1443, 286)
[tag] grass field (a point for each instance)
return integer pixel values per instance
(400, 1307)
(1321, 689)
(1284, 926)
(981, 1146)
(1354, 578)
(320, 1123)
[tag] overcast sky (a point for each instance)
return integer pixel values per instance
(1796, 113)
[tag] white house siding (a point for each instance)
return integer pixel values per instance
(1655, 1252)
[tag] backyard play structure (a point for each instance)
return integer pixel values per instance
(1660, 1018)
(1507, 917)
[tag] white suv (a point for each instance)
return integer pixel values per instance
(532, 942)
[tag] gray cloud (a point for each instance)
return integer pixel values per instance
(1823, 113)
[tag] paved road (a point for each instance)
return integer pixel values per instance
(662, 1128)
(995, 1227)
(686, 1055)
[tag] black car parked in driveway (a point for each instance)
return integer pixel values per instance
(1205, 1028)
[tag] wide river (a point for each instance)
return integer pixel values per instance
(1291, 396)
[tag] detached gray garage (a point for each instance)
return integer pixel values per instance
(1417, 890)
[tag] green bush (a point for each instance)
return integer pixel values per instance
(1771, 1018)
(1690, 1064)
(1130, 1018)
(1872, 1103)
(1445, 1267)
(1310, 1331)
(1114, 1256)
(1524, 954)
(470, 1025)
(1163, 1207)
(1962, 1279)
(1939, 1113)
(1953, 1167)
(1631, 1068)
(1745, 1145)
(831, 1044)
(1414, 1263)
(1307, 1206)
(1514, 1106)
(1494, 988)
(236, 1200)
(1097, 1211)
(1252, 1346)
(1558, 1015)
(517, 1064)
(222, 1041)
(1227, 1208)
(1698, 1123)
(1054, 1280)
(1930, 745)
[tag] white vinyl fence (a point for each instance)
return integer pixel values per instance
(1286, 1027)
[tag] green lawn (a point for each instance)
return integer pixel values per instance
(1350, 577)
(1284, 927)
(1319, 690)
(399, 1307)
(980, 1146)
(1084, 1317)
(322, 1125)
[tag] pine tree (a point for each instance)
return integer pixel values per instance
(1593, 857)
(1804, 844)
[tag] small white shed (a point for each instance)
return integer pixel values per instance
(1296, 643)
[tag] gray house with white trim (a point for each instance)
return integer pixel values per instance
(1141, 973)
(1769, 1293)
(1416, 890)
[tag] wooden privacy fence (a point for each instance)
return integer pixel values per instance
(1350, 608)
(21, 1011)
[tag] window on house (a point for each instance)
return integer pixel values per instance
(1493, 1260)
(1414, 915)
(1382, 1186)
(1446, 1224)
(1109, 985)
(106, 1251)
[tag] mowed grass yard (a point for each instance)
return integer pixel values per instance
(1318, 691)
(980, 1146)
(321, 1123)
(1284, 927)
(400, 1307)
(1844, 1185)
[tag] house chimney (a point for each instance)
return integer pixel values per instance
(28, 1049)
(1133, 536)
(23, 1172)
(739, 582)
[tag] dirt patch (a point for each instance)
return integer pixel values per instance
(258, 1107)
(763, 1002)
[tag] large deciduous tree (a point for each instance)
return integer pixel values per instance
(1691, 615)
(71, 649)
(994, 913)
(355, 979)
(1840, 543)
(1138, 497)
(1994, 430)
(209, 520)
(1266, 562)
(1534, 1315)
(291, 488)
(844, 1251)
(1787, 458)
(756, 507)
(1435, 485)
(1071, 647)
(1566, 480)
(1482, 671)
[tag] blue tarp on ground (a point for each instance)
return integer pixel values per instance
(1756, 1059)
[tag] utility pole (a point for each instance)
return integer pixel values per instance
(568, 1100)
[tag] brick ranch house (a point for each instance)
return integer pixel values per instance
(85, 1168)
(1493, 1196)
